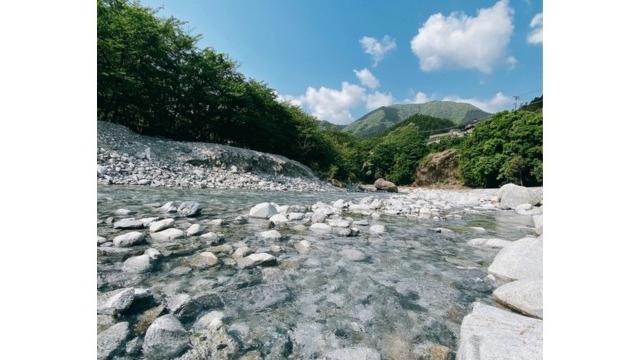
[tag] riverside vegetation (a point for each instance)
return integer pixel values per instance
(154, 79)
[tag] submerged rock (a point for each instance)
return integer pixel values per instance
(112, 340)
(166, 338)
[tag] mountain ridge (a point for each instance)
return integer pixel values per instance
(379, 120)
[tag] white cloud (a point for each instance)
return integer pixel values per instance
(377, 49)
(367, 78)
(333, 105)
(512, 62)
(378, 99)
(419, 98)
(535, 36)
(293, 100)
(465, 42)
(498, 103)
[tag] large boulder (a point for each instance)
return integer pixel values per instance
(129, 239)
(512, 195)
(112, 340)
(522, 259)
(137, 264)
(263, 210)
(382, 184)
(524, 296)
(166, 338)
(189, 208)
(489, 333)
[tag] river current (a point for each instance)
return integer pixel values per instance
(409, 291)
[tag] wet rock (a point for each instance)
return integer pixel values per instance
(522, 259)
(117, 303)
(537, 221)
(224, 249)
(353, 353)
(167, 235)
(512, 195)
(212, 320)
(320, 228)
(524, 296)
(295, 216)
(148, 220)
(134, 346)
(271, 235)
(153, 254)
(263, 210)
(303, 246)
(137, 264)
(104, 322)
(203, 260)
(161, 225)
(112, 340)
(129, 223)
(279, 219)
(189, 208)
(195, 229)
(437, 352)
(382, 184)
(212, 343)
(101, 240)
(212, 238)
(166, 338)
(169, 207)
(241, 252)
(489, 333)
(259, 259)
(129, 239)
(492, 242)
(122, 212)
(216, 223)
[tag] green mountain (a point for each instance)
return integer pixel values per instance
(381, 119)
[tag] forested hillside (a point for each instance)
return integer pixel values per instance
(154, 79)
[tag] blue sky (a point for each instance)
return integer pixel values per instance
(340, 59)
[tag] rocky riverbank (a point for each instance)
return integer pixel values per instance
(336, 279)
(126, 158)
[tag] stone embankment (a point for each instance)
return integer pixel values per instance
(126, 158)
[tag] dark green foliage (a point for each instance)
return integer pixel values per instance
(506, 148)
(427, 125)
(534, 105)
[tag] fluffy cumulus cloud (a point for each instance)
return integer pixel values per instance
(378, 99)
(366, 78)
(535, 35)
(419, 98)
(498, 103)
(334, 105)
(463, 41)
(377, 49)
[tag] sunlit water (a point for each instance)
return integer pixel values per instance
(410, 290)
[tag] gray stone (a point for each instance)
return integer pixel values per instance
(129, 223)
(512, 195)
(166, 338)
(118, 302)
(122, 212)
(522, 259)
(303, 246)
(161, 225)
(203, 260)
(537, 221)
(382, 184)
(524, 296)
(295, 216)
(101, 240)
(279, 219)
(241, 252)
(137, 264)
(112, 340)
(189, 208)
(271, 235)
(216, 223)
(167, 235)
(148, 220)
(493, 242)
(129, 239)
(263, 211)
(169, 207)
(195, 229)
(212, 320)
(212, 237)
(153, 254)
(353, 353)
(252, 260)
(489, 333)
(320, 228)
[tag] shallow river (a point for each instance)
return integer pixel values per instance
(409, 291)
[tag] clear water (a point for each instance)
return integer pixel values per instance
(410, 290)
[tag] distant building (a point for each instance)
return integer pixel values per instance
(452, 133)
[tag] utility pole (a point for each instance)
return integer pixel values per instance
(515, 102)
